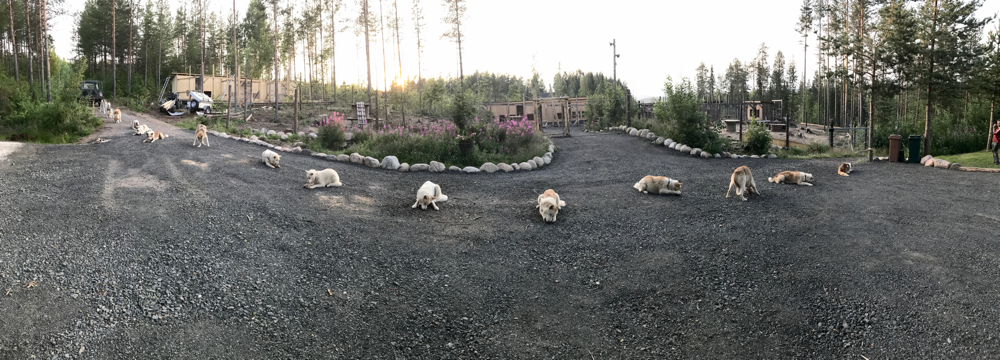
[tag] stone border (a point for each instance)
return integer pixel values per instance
(930, 161)
(392, 163)
(670, 143)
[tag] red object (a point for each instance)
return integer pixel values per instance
(996, 133)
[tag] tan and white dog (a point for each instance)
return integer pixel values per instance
(427, 195)
(153, 135)
(322, 178)
(742, 179)
(142, 129)
(270, 158)
(658, 185)
(845, 169)
(792, 177)
(135, 124)
(118, 115)
(201, 136)
(549, 204)
(106, 108)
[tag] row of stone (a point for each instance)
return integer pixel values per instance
(392, 163)
(670, 143)
(930, 161)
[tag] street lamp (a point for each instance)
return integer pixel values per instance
(614, 50)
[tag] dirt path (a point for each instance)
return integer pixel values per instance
(135, 250)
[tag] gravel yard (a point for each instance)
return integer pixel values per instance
(135, 250)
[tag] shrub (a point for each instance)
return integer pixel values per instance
(758, 139)
(681, 118)
(816, 147)
(462, 110)
(331, 132)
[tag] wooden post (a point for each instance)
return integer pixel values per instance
(295, 118)
(628, 108)
(566, 118)
(788, 129)
(989, 137)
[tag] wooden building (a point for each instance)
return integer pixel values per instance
(218, 88)
(545, 110)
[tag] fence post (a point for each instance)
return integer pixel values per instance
(295, 118)
(628, 108)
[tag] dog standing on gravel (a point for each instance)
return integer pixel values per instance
(549, 205)
(845, 169)
(118, 116)
(270, 158)
(427, 195)
(153, 135)
(792, 177)
(658, 185)
(322, 178)
(201, 136)
(742, 179)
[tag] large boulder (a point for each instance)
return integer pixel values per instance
(343, 158)
(754, 157)
(539, 162)
(552, 148)
(271, 133)
(371, 162)
(650, 135)
(470, 169)
(685, 149)
(734, 156)
(547, 158)
(357, 158)
(404, 167)
(629, 130)
(454, 168)
(929, 162)
(718, 156)
(941, 163)
(313, 135)
(515, 166)
(725, 154)
(489, 167)
(633, 132)
(955, 166)
(419, 167)
(505, 167)
(390, 162)
(772, 156)
(642, 133)
(923, 160)
(705, 154)
(436, 167)
(254, 138)
(667, 142)
(658, 141)
(695, 152)
(527, 165)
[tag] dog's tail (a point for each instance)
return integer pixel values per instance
(438, 196)
(774, 179)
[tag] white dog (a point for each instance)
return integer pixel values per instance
(427, 195)
(324, 178)
(153, 135)
(549, 205)
(142, 129)
(201, 134)
(270, 158)
(658, 185)
(742, 179)
(135, 124)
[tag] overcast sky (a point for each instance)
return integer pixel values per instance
(656, 38)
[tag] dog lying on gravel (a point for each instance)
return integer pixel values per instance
(323, 178)
(153, 135)
(427, 195)
(201, 136)
(742, 179)
(792, 177)
(118, 116)
(845, 169)
(658, 185)
(135, 124)
(549, 205)
(141, 129)
(270, 158)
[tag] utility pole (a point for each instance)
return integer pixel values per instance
(614, 51)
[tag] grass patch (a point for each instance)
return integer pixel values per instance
(983, 159)
(818, 150)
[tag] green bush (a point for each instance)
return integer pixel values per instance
(758, 139)
(681, 119)
(816, 147)
(462, 110)
(331, 137)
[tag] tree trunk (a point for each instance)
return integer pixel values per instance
(17, 71)
(274, 3)
(31, 60)
(201, 47)
(402, 93)
(385, 82)
(131, 50)
(333, 55)
(458, 29)
(236, 69)
(930, 79)
(114, 62)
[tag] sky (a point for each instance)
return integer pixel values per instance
(655, 38)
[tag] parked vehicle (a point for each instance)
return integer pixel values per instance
(90, 91)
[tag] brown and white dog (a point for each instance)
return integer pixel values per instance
(742, 179)
(427, 195)
(201, 136)
(118, 115)
(270, 158)
(792, 177)
(845, 169)
(549, 205)
(135, 124)
(658, 185)
(141, 129)
(153, 135)
(323, 178)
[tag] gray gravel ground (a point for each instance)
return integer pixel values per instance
(163, 250)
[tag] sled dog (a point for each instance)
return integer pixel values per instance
(201, 136)
(658, 185)
(549, 205)
(322, 178)
(142, 129)
(428, 194)
(153, 135)
(792, 177)
(118, 115)
(270, 158)
(742, 179)
(845, 169)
